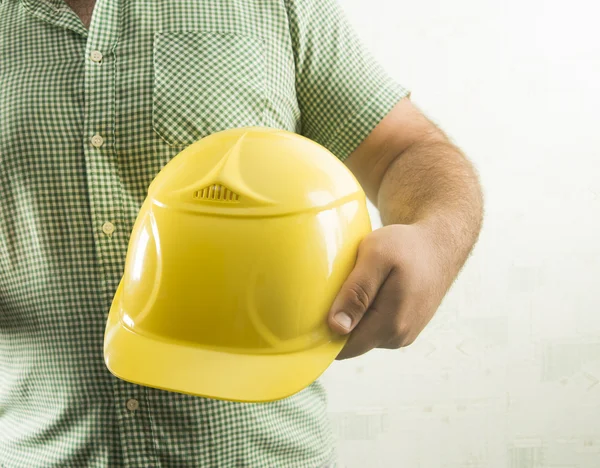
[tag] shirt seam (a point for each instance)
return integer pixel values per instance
(357, 115)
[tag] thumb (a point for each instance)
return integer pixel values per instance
(358, 292)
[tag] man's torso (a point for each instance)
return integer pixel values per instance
(147, 78)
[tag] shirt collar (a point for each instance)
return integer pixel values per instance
(56, 12)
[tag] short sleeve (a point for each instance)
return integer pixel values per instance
(342, 91)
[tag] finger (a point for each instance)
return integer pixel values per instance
(358, 291)
(378, 325)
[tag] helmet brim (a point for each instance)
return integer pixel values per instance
(183, 368)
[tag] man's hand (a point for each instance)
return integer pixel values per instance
(392, 293)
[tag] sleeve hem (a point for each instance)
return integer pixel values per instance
(358, 126)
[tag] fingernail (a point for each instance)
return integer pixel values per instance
(343, 319)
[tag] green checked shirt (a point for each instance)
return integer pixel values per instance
(87, 119)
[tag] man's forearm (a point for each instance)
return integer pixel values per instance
(432, 184)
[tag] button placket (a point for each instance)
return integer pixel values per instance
(109, 217)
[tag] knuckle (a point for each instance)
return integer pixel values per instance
(358, 297)
(401, 336)
(401, 330)
(394, 343)
(398, 342)
(376, 250)
(409, 340)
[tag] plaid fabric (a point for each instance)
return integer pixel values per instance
(87, 119)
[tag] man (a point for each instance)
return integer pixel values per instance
(92, 106)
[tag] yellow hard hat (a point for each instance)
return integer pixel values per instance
(237, 254)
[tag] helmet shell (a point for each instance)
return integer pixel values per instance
(235, 258)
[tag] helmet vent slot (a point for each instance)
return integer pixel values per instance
(217, 192)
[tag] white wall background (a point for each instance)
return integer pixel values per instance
(508, 373)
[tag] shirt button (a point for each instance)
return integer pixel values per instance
(132, 404)
(96, 56)
(97, 141)
(108, 228)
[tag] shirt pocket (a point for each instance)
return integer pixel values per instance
(205, 82)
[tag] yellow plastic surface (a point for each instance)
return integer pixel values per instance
(241, 246)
